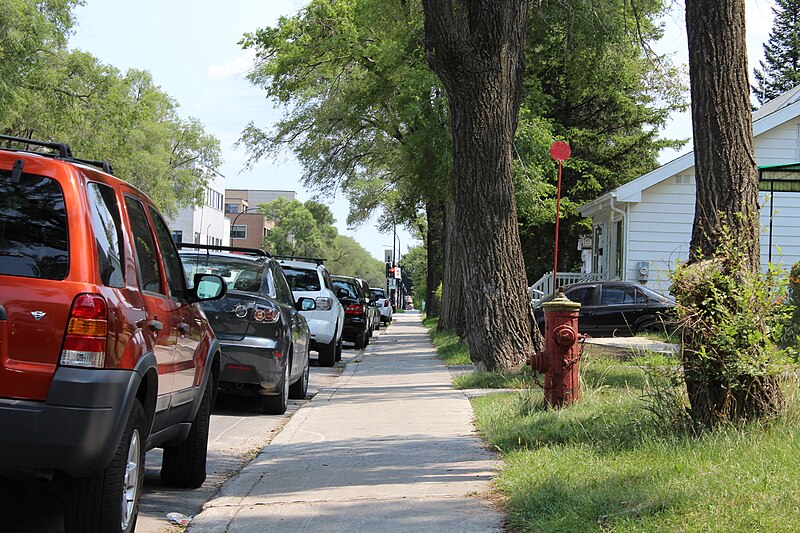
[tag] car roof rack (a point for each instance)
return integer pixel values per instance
(63, 149)
(219, 248)
(317, 260)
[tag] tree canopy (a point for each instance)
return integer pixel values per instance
(70, 96)
(780, 69)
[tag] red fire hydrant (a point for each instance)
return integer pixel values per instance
(559, 359)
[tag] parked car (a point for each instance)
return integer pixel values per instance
(357, 314)
(616, 308)
(264, 338)
(104, 349)
(374, 317)
(383, 304)
(309, 278)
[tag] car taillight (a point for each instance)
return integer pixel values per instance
(87, 330)
(354, 309)
(266, 313)
(324, 304)
(386, 303)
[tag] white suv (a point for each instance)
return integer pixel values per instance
(309, 278)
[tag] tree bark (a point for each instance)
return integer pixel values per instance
(435, 239)
(725, 167)
(727, 197)
(452, 312)
(476, 47)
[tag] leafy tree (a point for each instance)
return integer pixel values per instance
(591, 80)
(414, 267)
(780, 69)
(478, 49)
(295, 232)
(724, 250)
(29, 31)
(345, 257)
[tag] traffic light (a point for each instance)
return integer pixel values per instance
(389, 270)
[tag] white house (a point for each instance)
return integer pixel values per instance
(205, 224)
(643, 227)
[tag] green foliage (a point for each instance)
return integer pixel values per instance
(51, 93)
(348, 258)
(729, 319)
(414, 268)
(295, 232)
(780, 69)
(364, 111)
(592, 81)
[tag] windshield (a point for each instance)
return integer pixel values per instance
(351, 291)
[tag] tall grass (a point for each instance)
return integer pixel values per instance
(610, 463)
(450, 349)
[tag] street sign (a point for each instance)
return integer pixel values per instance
(397, 274)
(560, 151)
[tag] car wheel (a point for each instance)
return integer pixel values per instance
(361, 341)
(277, 404)
(109, 500)
(327, 354)
(298, 389)
(184, 465)
(339, 350)
(650, 326)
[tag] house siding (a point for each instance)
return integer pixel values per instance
(660, 225)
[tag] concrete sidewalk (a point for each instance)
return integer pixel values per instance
(390, 447)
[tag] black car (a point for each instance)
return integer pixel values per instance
(358, 316)
(616, 308)
(264, 338)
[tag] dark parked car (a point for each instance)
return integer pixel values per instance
(105, 352)
(616, 308)
(358, 316)
(264, 338)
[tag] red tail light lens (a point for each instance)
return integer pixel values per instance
(354, 309)
(266, 313)
(87, 330)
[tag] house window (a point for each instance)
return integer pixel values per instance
(597, 250)
(232, 208)
(239, 232)
(177, 236)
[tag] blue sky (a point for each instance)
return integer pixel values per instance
(191, 49)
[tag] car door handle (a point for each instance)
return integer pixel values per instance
(155, 325)
(183, 327)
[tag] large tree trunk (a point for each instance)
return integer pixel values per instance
(477, 49)
(727, 196)
(452, 315)
(434, 247)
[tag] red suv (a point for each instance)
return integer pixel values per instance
(104, 351)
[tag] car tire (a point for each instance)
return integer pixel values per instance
(651, 326)
(327, 354)
(339, 350)
(109, 500)
(277, 403)
(298, 389)
(377, 325)
(184, 465)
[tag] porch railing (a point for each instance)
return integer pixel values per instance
(544, 286)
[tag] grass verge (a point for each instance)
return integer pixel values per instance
(613, 462)
(448, 346)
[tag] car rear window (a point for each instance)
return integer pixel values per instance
(351, 290)
(378, 294)
(34, 241)
(239, 274)
(301, 280)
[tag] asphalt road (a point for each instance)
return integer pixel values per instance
(238, 431)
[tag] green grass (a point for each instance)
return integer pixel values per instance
(448, 346)
(607, 463)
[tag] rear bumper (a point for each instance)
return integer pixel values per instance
(354, 328)
(253, 361)
(76, 430)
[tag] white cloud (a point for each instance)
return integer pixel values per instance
(236, 68)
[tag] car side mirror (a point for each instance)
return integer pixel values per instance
(208, 287)
(341, 293)
(305, 304)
